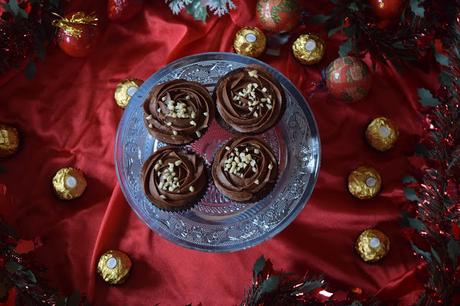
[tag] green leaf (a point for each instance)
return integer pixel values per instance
(13, 7)
(319, 18)
(12, 267)
(416, 224)
(268, 286)
(435, 255)
(345, 48)
(442, 59)
(446, 78)
(353, 7)
(416, 8)
(410, 194)
(421, 150)
(331, 32)
(426, 98)
(258, 266)
(409, 179)
(310, 285)
(30, 70)
(421, 252)
(197, 10)
(453, 249)
(74, 299)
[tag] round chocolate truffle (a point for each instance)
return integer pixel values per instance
(174, 179)
(364, 183)
(382, 133)
(250, 100)
(372, 245)
(114, 266)
(245, 169)
(125, 90)
(69, 183)
(178, 112)
(249, 41)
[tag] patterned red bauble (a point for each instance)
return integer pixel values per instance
(123, 10)
(387, 9)
(278, 15)
(348, 78)
(77, 33)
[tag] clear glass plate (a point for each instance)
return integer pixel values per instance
(217, 224)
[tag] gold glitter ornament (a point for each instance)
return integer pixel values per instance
(9, 140)
(382, 133)
(250, 41)
(372, 245)
(114, 267)
(364, 183)
(69, 183)
(125, 90)
(308, 49)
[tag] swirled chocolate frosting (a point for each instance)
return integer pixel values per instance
(178, 112)
(173, 178)
(250, 100)
(245, 169)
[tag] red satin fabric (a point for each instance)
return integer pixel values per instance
(67, 117)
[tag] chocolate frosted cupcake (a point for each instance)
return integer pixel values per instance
(178, 112)
(250, 100)
(245, 169)
(174, 179)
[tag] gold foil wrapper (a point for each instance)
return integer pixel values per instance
(372, 245)
(364, 183)
(250, 41)
(114, 267)
(382, 134)
(125, 90)
(308, 49)
(9, 140)
(69, 183)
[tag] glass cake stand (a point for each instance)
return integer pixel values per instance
(216, 223)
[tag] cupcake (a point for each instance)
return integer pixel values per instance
(178, 112)
(249, 100)
(245, 169)
(174, 179)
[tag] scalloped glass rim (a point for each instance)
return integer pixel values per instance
(139, 97)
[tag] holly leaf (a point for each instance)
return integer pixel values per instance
(345, 48)
(416, 8)
(410, 194)
(435, 255)
(442, 59)
(453, 249)
(319, 18)
(258, 266)
(426, 98)
(416, 224)
(268, 286)
(310, 285)
(446, 78)
(331, 32)
(409, 179)
(421, 150)
(13, 7)
(424, 254)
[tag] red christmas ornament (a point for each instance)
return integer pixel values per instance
(123, 10)
(348, 78)
(387, 9)
(77, 33)
(278, 15)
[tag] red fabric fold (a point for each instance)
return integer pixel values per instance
(67, 117)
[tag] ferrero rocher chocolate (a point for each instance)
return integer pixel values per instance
(114, 267)
(125, 90)
(382, 133)
(372, 245)
(308, 49)
(364, 183)
(9, 140)
(250, 41)
(69, 183)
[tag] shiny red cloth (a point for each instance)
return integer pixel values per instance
(67, 117)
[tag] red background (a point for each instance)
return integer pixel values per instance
(67, 117)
